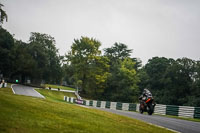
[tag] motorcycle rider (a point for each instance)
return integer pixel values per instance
(145, 95)
(147, 103)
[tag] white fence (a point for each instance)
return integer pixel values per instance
(180, 111)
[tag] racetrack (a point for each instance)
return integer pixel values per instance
(26, 90)
(178, 125)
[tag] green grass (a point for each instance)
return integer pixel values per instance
(58, 86)
(24, 114)
(55, 95)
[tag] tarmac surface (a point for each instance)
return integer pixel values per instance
(173, 124)
(26, 90)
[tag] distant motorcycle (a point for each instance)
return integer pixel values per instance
(147, 104)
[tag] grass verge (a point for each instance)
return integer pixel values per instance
(55, 95)
(58, 86)
(29, 114)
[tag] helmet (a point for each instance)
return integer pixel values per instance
(145, 91)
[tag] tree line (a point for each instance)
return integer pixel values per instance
(37, 60)
(172, 82)
(109, 74)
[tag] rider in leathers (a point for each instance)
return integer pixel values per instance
(145, 95)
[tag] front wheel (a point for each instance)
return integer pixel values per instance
(151, 110)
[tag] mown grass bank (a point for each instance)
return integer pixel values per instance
(55, 95)
(27, 114)
(58, 86)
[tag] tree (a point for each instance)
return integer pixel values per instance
(68, 71)
(24, 66)
(144, 79)
(117, 52)
(43, 50)
(122, 84)
(89, 66)
(129, 80)
(6, 45)
(172, 81)
(138, 63)
(194, 98)
(155, 69)
(98, 75)
(179, 76)
(3, 14)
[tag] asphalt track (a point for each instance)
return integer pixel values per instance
(177, 125)
(26, 90)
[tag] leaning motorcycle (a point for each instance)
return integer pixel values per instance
(147, 105)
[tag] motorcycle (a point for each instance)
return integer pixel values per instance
(147, 105)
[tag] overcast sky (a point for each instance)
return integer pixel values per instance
(169, 28)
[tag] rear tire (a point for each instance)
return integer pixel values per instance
(141, 110)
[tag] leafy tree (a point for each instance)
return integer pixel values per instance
(129, 80)
(117, 52)
(24, 65)
(144, 79)
(43, 50)
(155, 68)
(151, 77)
(98, 75)
(122, 84)
(68, 71)
(172, 81)
(187, 71)
(89, 67)
(179, 82)
(194, 98)
(138, 63)
(3, 14)
(6, 44)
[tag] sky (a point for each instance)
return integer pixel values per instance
(164, 28)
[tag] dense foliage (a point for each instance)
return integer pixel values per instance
(122, 84)
(90, 69)
(3, 14)
(109, 77)
(37, 60)
(174, 82)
